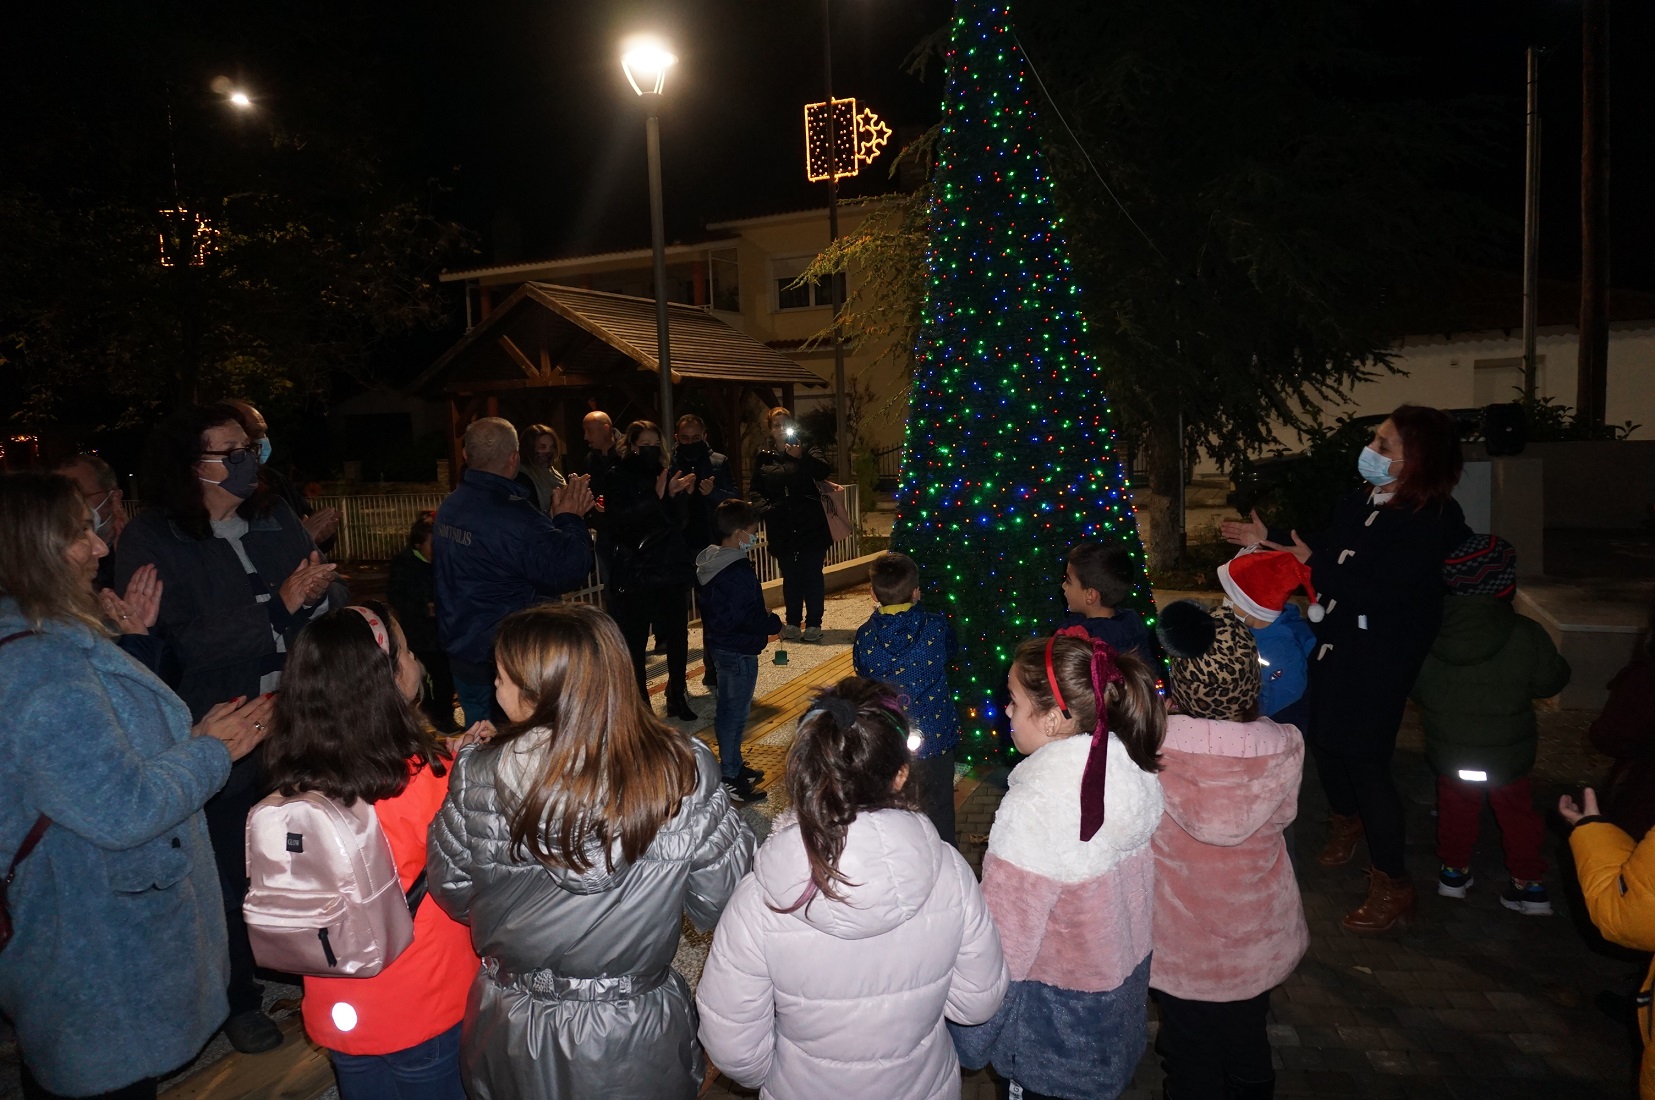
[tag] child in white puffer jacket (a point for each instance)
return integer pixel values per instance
(858, 931)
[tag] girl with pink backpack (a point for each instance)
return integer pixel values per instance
(345, 726)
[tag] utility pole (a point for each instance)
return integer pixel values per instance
(840, 417)
(1531, 226)
(1593, 372)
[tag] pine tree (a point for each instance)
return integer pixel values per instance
(1011, 455)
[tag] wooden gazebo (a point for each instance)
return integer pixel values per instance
(551, 354)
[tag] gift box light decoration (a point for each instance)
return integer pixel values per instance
(186, 237)
(856, 139)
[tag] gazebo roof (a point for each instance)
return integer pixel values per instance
(548, 335)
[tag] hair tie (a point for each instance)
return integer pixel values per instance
(842, 711)
(1104, 672)
(382, 637)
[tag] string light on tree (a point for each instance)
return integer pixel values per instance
(1010, 452)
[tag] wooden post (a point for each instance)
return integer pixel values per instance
(1593, 372)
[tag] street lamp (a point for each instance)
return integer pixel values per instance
(646, 62)
(241, 100)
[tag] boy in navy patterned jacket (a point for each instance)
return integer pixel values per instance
(1094, 586)
(910, 648)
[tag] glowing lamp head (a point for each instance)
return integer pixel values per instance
(241, 100)
(646, 62)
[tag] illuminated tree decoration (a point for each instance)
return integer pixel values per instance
(858, 136)
(1010, 454)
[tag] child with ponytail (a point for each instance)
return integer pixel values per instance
(858, 930)
(1069, 875)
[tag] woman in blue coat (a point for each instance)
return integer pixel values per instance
(115, 972)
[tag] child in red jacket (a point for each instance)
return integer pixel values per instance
(345, 725)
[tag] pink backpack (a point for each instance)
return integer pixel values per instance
(323, 895)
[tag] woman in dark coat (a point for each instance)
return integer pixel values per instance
(411, 590)
(784, 491)
(240, 577)
(654, 564)
(1378, 573)
(1625, 730)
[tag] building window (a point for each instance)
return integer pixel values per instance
(784, 272)
(725, 277)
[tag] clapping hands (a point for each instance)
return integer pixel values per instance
(573, 497)
(137, 611)
(305, 585)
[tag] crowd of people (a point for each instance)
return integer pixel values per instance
(165, 678)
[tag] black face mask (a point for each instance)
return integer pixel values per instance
(649, 456)
(693, 454)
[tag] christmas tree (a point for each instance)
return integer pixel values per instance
(1010, 455)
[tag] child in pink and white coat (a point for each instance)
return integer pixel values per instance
(1229, 923)
(1069, 875)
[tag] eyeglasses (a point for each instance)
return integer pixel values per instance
(235, 456)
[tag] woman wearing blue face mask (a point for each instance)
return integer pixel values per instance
(240, 577)
(1378, 570)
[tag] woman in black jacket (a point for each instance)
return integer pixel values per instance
(1378, 574)
(240, 578)
(654, 565)
(411, 590)
(784, 491)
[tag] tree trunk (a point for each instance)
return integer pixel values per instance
(1593, 370)
(1156, 499)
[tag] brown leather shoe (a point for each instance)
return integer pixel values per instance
(1341, 845)
(1390, 903)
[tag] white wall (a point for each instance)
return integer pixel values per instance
(1444, 372)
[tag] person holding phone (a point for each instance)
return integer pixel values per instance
(784, 490)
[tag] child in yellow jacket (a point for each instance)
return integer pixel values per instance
(1617, 877)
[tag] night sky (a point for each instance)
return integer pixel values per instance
(514, 118)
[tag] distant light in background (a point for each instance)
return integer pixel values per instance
(241, 100)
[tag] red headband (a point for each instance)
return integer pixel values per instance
(1104, 672)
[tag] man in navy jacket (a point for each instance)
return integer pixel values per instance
(495, 552)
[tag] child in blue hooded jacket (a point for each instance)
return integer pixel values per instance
(910, 647)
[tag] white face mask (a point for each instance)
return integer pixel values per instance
(745, 543)
(103, 515)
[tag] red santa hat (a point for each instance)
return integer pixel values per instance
(1259, 581)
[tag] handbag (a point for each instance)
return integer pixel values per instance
(36, 831)
(837, 511)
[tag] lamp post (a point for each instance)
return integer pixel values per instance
(840, 416)
(646, 64)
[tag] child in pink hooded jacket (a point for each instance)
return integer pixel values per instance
(1229, 923)
(858, 930)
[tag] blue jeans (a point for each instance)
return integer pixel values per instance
(803, 589)
(738, 677)
(476, 698)
(428, 1071)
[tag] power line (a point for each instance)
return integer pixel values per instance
(1058, 111)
